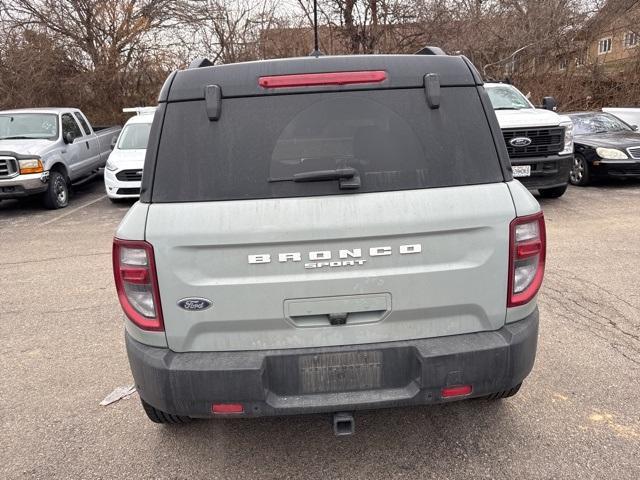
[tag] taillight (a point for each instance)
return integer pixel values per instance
(137, 283)
(527, 246)
(321, 79)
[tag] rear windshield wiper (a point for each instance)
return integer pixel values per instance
(349, 178)
(322, 175)
(507, 108)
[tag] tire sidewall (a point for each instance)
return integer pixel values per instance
(584, 180)
(555, 192)
(52, 200)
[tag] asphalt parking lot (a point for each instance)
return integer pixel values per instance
(62, 352)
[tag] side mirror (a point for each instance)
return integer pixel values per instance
(68, 138)
(549, 103)
(114, 140)
(635, 127)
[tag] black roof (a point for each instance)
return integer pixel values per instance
(241, 79)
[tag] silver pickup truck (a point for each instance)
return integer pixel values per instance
(45, 150)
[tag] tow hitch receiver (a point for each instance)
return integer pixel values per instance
(343, 423)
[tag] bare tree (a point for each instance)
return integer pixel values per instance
(105, 54)
(228, 31)
(112, 42)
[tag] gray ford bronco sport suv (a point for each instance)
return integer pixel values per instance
(327, 234)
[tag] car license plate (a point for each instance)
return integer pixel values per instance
(521, 170)
(340, 372)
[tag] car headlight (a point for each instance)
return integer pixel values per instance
(611, 153)
(110, 166)
(30, 165)
(568, 137)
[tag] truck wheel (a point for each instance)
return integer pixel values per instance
(158, 416)
(505, 393)
(579, 174)
(57, 194)
(555, 192)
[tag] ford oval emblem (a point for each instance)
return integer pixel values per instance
(520, 141)
(194, 304)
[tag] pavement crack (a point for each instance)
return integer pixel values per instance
(63, 310)
(51, 259)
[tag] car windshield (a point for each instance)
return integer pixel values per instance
(507, 98)
(598, 123)
(134, 137)
(29, 126)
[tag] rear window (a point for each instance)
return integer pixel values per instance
(391, 138)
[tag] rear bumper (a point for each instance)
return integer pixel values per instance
(271, 383)
(546, 172)
(23, 185)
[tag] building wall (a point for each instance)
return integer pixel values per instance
(615, 29)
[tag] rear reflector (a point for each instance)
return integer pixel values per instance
(321, 79)
(227, 408)
(457, 391)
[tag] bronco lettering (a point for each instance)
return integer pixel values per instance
(325, 258)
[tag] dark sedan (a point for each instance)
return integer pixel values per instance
(604, 146)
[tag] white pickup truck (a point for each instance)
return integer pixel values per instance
(45, 150)
(539, 141)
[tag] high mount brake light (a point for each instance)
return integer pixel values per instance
(527, 251)
(322, 79)
(134, 270)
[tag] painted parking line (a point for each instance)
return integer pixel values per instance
(71, 212)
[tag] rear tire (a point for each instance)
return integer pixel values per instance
(57, 194)
(504, 393)
(555, 192)
(158, 416)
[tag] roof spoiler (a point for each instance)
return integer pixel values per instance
(140, 110)
(429, 50)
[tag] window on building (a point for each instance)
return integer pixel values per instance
(631, 39)
(563, 63)
(604, 45)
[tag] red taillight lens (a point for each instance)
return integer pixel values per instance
(227, 408)
(527, 251)
(137, 283)
(320, 79)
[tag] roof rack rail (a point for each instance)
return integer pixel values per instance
(140, 110)
(200, 62)
(428, 50)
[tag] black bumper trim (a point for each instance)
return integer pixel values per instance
(547, 172)
(18, 191)
(188, 383)
(618, 170)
